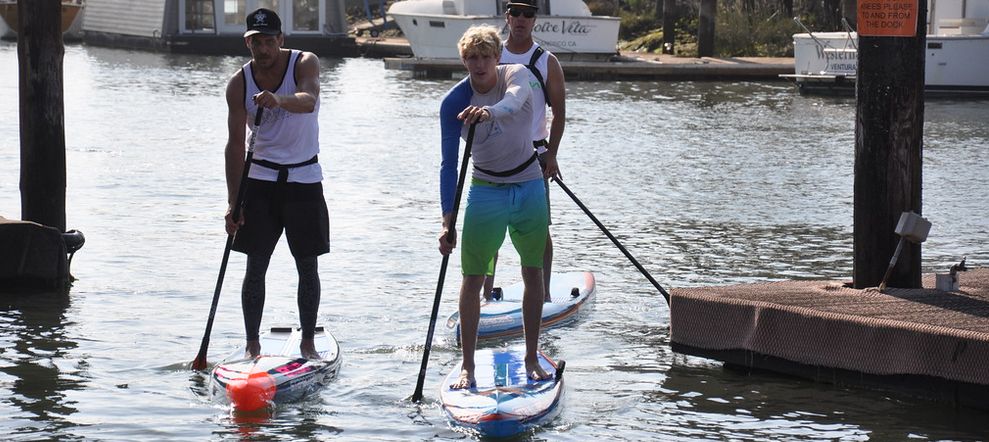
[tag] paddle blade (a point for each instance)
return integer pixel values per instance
(199, 363)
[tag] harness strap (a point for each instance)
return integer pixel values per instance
(539, 76)
(284, 168)
(514, 171)
(535, 72)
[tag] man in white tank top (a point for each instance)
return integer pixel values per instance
(547, 82)
(284, 186)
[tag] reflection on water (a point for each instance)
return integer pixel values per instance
(37, 369)
(762, 406)
(704, 183)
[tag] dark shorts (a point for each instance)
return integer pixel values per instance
(299, 209)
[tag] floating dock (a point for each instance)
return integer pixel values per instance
(32, 255)
(921, 342)
(627, 66)
(35, 256)
(621, 66)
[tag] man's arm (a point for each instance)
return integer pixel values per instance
(307, 88)
(557, 90)
(455, 101)
(452, 104)
(236, 133)
(234, 151)
(517, 91)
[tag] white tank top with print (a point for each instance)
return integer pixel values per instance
(284, 137)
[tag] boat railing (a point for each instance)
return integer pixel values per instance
(811, 34)
(836, 59)
(849, 30)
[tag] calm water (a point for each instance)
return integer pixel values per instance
(705, 183)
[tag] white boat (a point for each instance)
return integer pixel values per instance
(564, 27)
(957, 55)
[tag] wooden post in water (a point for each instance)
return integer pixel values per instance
(670, 14)
(39, 54)
(705, 28)
(889, 129)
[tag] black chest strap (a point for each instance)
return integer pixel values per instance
(284, 168)
(539, 76)
(514, 171)
(535, 72)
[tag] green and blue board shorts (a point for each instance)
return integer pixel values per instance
(493, 208)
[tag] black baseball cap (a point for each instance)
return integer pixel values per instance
(523, 4)
(263, 21)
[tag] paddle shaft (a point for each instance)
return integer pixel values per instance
(614, 240)
(450, 236)
(200, 362)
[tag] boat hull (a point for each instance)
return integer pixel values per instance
(70, 9)
(436, 36)
(955, 64)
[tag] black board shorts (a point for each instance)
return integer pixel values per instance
(298, 209)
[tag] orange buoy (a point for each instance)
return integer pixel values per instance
(253, 393)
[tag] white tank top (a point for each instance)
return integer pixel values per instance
(284, 137)
(539, 129)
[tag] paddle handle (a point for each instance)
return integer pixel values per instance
(613, 239)
(200, 362)
(417, 395)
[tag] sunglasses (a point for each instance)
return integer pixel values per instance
(527, 13)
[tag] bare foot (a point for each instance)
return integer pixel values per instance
(253, 349)
(535, 371)
(465, 381)
(308, 349)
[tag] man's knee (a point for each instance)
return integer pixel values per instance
(472, 284)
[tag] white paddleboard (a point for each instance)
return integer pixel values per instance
(280, 374)
(503, 318)
(504, 401)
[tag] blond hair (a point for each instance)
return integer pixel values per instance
(480, 40)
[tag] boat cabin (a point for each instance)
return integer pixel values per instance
(214, 26)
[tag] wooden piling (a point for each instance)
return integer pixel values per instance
(670, 14)
(889, 132)
(39, 53)
(705, 28)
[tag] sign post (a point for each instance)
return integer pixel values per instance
(887, 18)
(889, 129)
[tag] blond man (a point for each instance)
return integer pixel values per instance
(506, 191)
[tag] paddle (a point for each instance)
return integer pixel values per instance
(200, 362)
(614, 240)
(417, 396)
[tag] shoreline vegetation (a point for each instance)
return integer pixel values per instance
(743, 28)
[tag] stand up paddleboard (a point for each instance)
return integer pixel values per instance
(504, 401)
(503, 318)
(280, 374)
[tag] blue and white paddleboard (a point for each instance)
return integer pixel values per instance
(503, 318)
(504, 401)
(280, 374)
